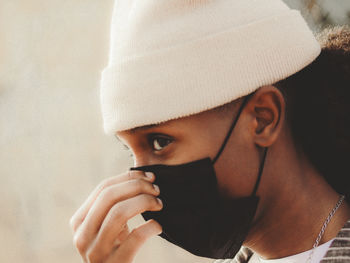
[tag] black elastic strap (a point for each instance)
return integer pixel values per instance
(260, 172)
(231, 128)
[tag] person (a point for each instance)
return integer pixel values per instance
(238, 120)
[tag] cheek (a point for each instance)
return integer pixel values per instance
(236, 172)
(194, 146)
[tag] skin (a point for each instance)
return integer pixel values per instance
(294, 198)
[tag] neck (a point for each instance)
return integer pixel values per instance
(295, 213)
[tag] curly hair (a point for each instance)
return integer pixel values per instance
(318, 107)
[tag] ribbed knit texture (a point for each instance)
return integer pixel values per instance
(171, 59)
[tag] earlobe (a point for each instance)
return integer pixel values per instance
(269, 110)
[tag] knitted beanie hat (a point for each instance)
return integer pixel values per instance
(173, 58)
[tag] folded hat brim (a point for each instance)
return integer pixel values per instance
(204, 73)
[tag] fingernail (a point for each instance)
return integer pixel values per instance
(149, 174)
(156, 187)
(159, 201)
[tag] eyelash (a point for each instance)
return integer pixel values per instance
(151, 139)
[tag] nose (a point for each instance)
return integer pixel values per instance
(141, 160)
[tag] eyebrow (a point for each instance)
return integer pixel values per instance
(145, 127)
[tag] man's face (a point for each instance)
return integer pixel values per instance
(194, 137)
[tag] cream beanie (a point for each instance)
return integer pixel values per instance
(173, 58)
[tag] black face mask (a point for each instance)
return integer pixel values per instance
(195, 216)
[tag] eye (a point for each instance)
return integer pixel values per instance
(159, 142)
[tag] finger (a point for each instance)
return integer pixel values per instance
(123, 234)
(108, 198)
(117, 218)
(126, 252)
(82, 211)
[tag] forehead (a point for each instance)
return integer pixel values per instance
(182, 123)
(145, 127)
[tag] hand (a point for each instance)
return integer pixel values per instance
(100, 229)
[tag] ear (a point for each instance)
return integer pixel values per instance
(267, 106)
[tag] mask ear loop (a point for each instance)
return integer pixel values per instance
(231, 128)
(261, 167)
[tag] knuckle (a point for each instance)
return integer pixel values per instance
(80, 243)
(105, 193)
(118, 212)
(101, 186)
(92, 256)
(72, 222)
(103, 183)
(106, 182)
(138, 234)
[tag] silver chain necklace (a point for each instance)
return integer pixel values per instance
(318, 239)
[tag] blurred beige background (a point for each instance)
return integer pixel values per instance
(53, 151)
